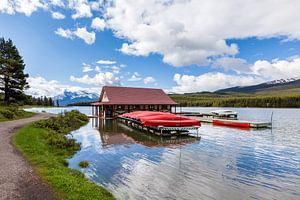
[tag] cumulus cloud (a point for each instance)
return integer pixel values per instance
(59, 3)
(81, 8)
(88, 37)
(98, 69)
(277, 69)
(57, 15)
(98, 24)
(106, 62)
(149, 79)
(211, 82)
(115, 69)
(26, 7)
(82, 33)
(201, 28)
(260, 71)
(100, 79)
(86, 68)
(135, 77)
(40, 86)
(66, 33)
(230, 63)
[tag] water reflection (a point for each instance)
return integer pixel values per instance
(226, 164)
(113, 132)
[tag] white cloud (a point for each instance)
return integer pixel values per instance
(277, 69)
(201, 27)
(260, 71)
(135, 77)
(86, 68)
(39, 86)
(106, 62)
(116, 69)
(26, 7)
(229, 63)
(98, 24)
(57, 15)
(211, 82)
(66, 33)
(82, 33)
(59, 3)
(88, 37)
(100, 79)
(95, 5)
(98, 69)
(81, 8)
(149, 79)
(6, 6)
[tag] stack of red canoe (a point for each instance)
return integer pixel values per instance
(151, 118)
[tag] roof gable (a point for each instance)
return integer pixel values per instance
(130, 95)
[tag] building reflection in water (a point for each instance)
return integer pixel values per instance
(113, 132)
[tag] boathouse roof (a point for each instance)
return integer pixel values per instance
(114, 95)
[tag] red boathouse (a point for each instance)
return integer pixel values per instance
(115, 101)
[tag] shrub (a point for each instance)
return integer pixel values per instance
(84, 164)
(59, 128)
(7, 114)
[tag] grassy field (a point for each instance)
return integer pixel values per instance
(12, 113)
(44, 144)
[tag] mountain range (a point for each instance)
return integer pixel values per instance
(69, 97)
(275, 87)
(270, 87)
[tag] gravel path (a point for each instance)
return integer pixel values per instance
(17, 178)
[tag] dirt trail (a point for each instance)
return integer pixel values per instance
(17, 178)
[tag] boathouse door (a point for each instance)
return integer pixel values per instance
(109, 112)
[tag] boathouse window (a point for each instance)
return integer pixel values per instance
(151, 107)
(119, 107)
(136, 107)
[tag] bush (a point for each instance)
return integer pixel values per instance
(59, 128)
(84, 164)
(7, 114)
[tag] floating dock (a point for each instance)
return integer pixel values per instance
(233, 123)
(158, 130)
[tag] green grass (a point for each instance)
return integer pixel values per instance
(50, 163)
(12, 113)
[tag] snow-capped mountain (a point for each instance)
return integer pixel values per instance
(69, 97)
(280, 83)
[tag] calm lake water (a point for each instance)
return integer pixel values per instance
(226, 163)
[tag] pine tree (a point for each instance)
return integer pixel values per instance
(12, 76)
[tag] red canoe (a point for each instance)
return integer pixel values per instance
(231, 123)
(153, 118)
(172, 123)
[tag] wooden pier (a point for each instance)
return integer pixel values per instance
(233, 123)
(158, 130)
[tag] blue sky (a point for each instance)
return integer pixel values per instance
(174, 45)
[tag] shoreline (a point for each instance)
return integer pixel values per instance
(51, 164)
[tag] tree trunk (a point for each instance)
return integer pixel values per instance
(6, 91)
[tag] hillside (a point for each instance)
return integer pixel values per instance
(267, 87)
(277, 93)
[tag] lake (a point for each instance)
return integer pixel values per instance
(226, 163)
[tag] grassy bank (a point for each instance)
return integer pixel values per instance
(46, 146)
(12, 113)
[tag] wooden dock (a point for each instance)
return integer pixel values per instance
(233, 123)
(158, 130)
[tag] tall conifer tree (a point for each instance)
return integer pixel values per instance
(12, 76)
